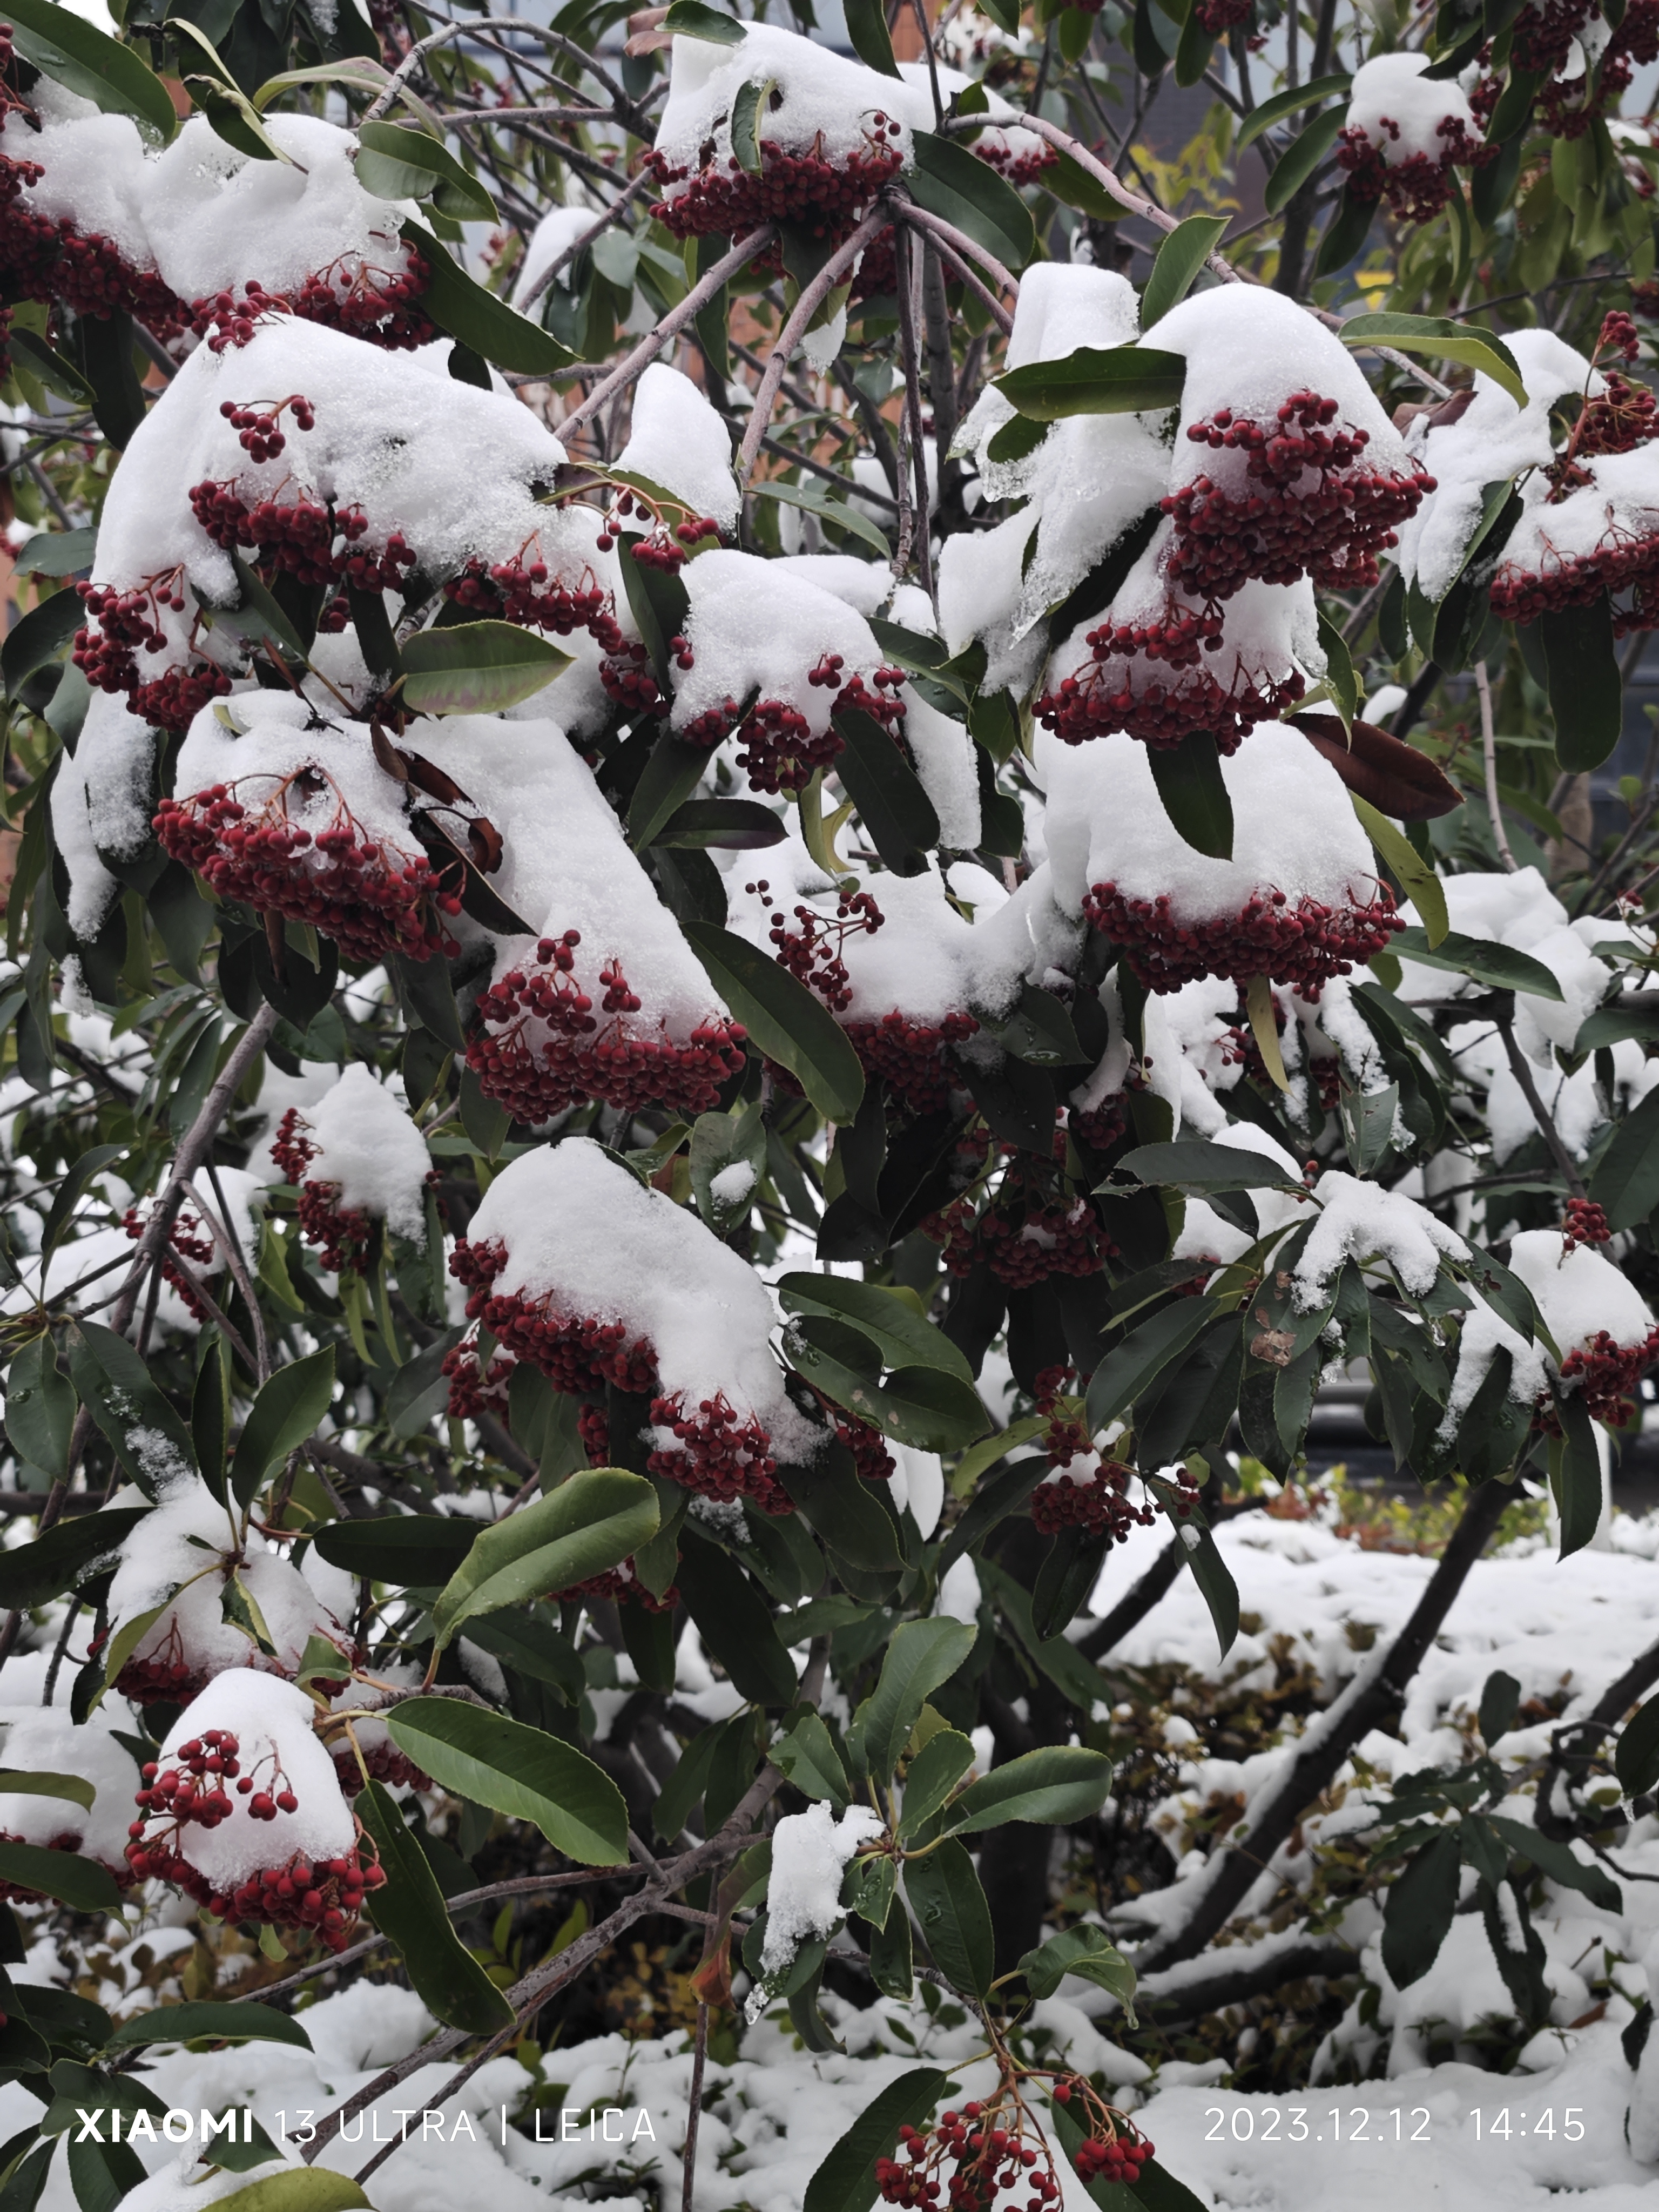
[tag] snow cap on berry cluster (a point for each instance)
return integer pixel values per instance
(1579, 1294)
(367, 1146)
(96, 174)
(1392, 88)
(1294, 832)
(580, 1229)
(444, 466)
(1482, 1333)
(1364, 1222)
(1603, 536)
(45, 1742)
(1469, 443)
(752, 629)
(271, 1722)
(820, 103)
(677, 442)
(180, 1556)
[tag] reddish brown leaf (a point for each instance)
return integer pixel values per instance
(1395, 778)
(433, 781)
(395, 764)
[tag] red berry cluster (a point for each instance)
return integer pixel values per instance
(1607, 1372)
(1617, 420)
(1568, 106)
(354, 296)
(1220, 16)
(660, 548)
(540, 1047)
(1308, 505)
(370, 898)
(594, 1427)
(1100, 1126)
(519, 591)
(987, 2159)
(822, 197)
(718, 1454)
(1016, 169)
(472, 1392)
(343, 1234)
(166, 1676)
(1418, 188)
(913, 1057)
(1099, 702)
(183, 1241)
(1543, 34)
(1619, 564)
(1023, 1238)
(129, 623)
(628, 680)
(812, 954)
(258, 428)
(385, 1764)
(618, 1585)
(309, 538)
(1583, 1223)
(1303, 942)
(85, 271)
(578, 1355)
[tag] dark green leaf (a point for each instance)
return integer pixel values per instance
(461, 306)
(1586, 692)
(284, 1414)
(477, 668)
(838, 1504)
(1479, 957)
(808, 1758)
(1635, 1759)
(1181, 256)
(1578, 1483)
(522, 1772)
(408, 1907)
(40, 1409)
(1626, 1179)
(1417, 1916)
(817, 499)
(1439, 336)
(34, 1573)
(1053, 1786)
(933, 1773)
(1131, 1366)
(1282, 104)
(1195, 793)
(867, 27)
(418, 1549)
(735, 1621)
(1301, 158)
(788, 1023)
(221, 2023)
(37, 638)
(921, 1654)
(892, 1324)
(400, 161)
(1196, 1164)
(950, 182)
(887, 791)
(115, 1385)
(56, 552)
(1039, 1030)
(690, 19)
(732, 825)
(1123, 380)
(113, 77)
(846, 2181)
(587, 1525)
(1500, 1700)
(1085, 1952)
(82, 1884)
(955, 1920)
(1559, 1860)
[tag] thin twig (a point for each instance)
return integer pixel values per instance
(1521, 1069)
(1489, 754)
(643, 182)
(694, 2114)
(812, 297)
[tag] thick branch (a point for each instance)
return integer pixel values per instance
(961, 249)
(1370, 1699)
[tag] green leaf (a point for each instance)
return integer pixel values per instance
(408, 1908)
(817, 499)
(36, 639)
(866, 27)
(48, 367)
(1181, 256)
(82, 1884)
(298, 2189)
(223, 2023)
(419, 1549)
(68, 1195)
(1587, 697)
(56, 552)
(732, 825)
(477, 668)
(401, 162)
(284, 1414)
(786, 1021)
(1053, 1786)
(921, 1654)
(899, 1333)
(1287, 103)
(1301, 158)
(1576, 1475)
(1038, 1030)
(933, 1773)
(1442, 339)
(73, 1788)
(583, 1528)
(1559, 1862)
(689, 18)
(846, 2181)
(1500, 1700)
(720, 1141)
(522, 1772)
(115, 1385)
(529, 1643)
(955, 1920)
(839, 1507)
(735, 1621)
(113, 77)
(920, 1406)
(1625, 1182)
(896, 811)
(1421, 1904)
(1635, 1759)
(950, 182)
(1131, 1366)
(747, 109)
(41, 1409)
(477, 318)
(1193, 792)
(1196, 1164)
(1480, 958)
(807, 1757)
(1123, 380)
(1416, 875)
(1083, 1951)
